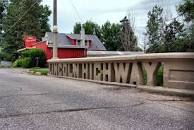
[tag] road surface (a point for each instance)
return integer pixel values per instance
(30, 102)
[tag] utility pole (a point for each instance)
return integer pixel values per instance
(55, 30)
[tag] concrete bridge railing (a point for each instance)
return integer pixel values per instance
(178, 69)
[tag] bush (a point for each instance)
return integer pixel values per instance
(4, 56)
(37, 56)
(24, 63)
(31, 58)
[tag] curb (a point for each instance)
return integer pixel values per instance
(156, 89)
(98, 82)
(168, 91)
(35, 73)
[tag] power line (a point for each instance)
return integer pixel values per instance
(76, 10)
(23, 15)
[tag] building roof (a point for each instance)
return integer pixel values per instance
(78, 36)
(63, 40)
(96, 43)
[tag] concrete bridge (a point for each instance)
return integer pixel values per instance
(130, 70)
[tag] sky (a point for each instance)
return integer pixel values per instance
(100, 11)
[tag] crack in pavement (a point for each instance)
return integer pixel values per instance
(64, 111)
(167, 100)
(19, 106)
(23, 95)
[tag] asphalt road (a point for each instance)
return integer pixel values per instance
(30, 102)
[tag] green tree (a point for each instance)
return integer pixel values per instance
(45, 13)
(1, 13)
(154, 29)
(111, 36)
(90, 28)
(77, 28)
(24, 17)
(128, 38)
(2, 8)
(174, 37)
(186, 9)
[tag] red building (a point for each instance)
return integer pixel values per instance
(69, 45)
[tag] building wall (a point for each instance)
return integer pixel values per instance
(68, 53)
(73, 41)
(30, 42)
(63, 52)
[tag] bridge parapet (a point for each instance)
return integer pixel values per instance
(178, 69)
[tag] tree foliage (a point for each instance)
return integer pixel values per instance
(24, 17)
(1, 16)
(186, 9)
(111, 36)
(77, 28)
(173, 36)
(44, 18)
(128, 38)
(90, 28)
(108, 33)
(154, 29)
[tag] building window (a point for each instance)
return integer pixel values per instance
(79, 42)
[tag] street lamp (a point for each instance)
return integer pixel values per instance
(55, 30)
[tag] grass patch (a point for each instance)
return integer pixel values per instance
(42, 71)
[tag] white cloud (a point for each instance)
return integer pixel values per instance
(97, 10)
(101, 11)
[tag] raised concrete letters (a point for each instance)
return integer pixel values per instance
(121, 72)
(151, 69)
(136, 74)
